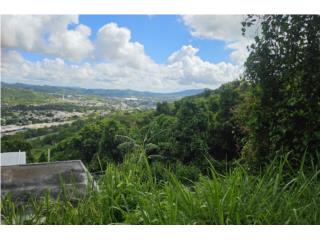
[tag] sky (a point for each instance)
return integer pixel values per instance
(161, 53)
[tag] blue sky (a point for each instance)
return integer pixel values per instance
(144, 52)
(160, 35)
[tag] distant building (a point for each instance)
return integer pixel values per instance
(13, 158)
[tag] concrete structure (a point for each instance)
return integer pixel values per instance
(23, 181)
(13, 158)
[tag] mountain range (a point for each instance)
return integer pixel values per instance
(121, 93)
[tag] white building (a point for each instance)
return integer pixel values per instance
(13, 158)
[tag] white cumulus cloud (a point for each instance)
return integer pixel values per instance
(226, 28)
(113, 60)
(113, 44)
(191, 69)
(47, 35)
(183, 70)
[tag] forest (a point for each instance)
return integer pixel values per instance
(245, 153)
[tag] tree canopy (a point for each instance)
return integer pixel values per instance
(284, 71)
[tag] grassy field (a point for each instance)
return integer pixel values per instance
(137, 192)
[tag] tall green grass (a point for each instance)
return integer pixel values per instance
(132, 193)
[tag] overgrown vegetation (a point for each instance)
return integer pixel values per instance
(283, 70)
(132, 193)
(246, 153)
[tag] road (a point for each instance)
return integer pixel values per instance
(12, 129)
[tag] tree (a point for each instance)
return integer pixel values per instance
(163, 108)
(17, 143)
(191, 130)
(109, 142)
(224, 130)
(81, 145)
(284, 71)
(88, 141)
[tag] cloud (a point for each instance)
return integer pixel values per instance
(72, 44)
(183, 70)
(113, 44)
(90, 75)
(225, 28)
(47, 35)
(64, 37)
(113, 60)
(220, 27)
(240, 53)
(191, 69)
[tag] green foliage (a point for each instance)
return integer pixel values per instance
(191, 130)
(283, 69)
(188, 131)
(108, 146)
(164, 108)
(225, 132)
(187, 174)
(219, 157)
(82, 145)
(17, 143)
(131, 193)
(43, 158)
(15, 96)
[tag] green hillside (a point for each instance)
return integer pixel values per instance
(15, 96)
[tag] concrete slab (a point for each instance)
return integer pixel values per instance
(37, 179)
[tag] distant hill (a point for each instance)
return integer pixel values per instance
(14, 96)
(100, 92)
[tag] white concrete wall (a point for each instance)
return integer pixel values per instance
(13, 158)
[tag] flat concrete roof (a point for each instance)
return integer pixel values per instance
(36, 179)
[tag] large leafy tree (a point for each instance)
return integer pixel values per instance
(191, 130)
(224, 131)
(284, 70)
(109, 141)
(82, 145)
